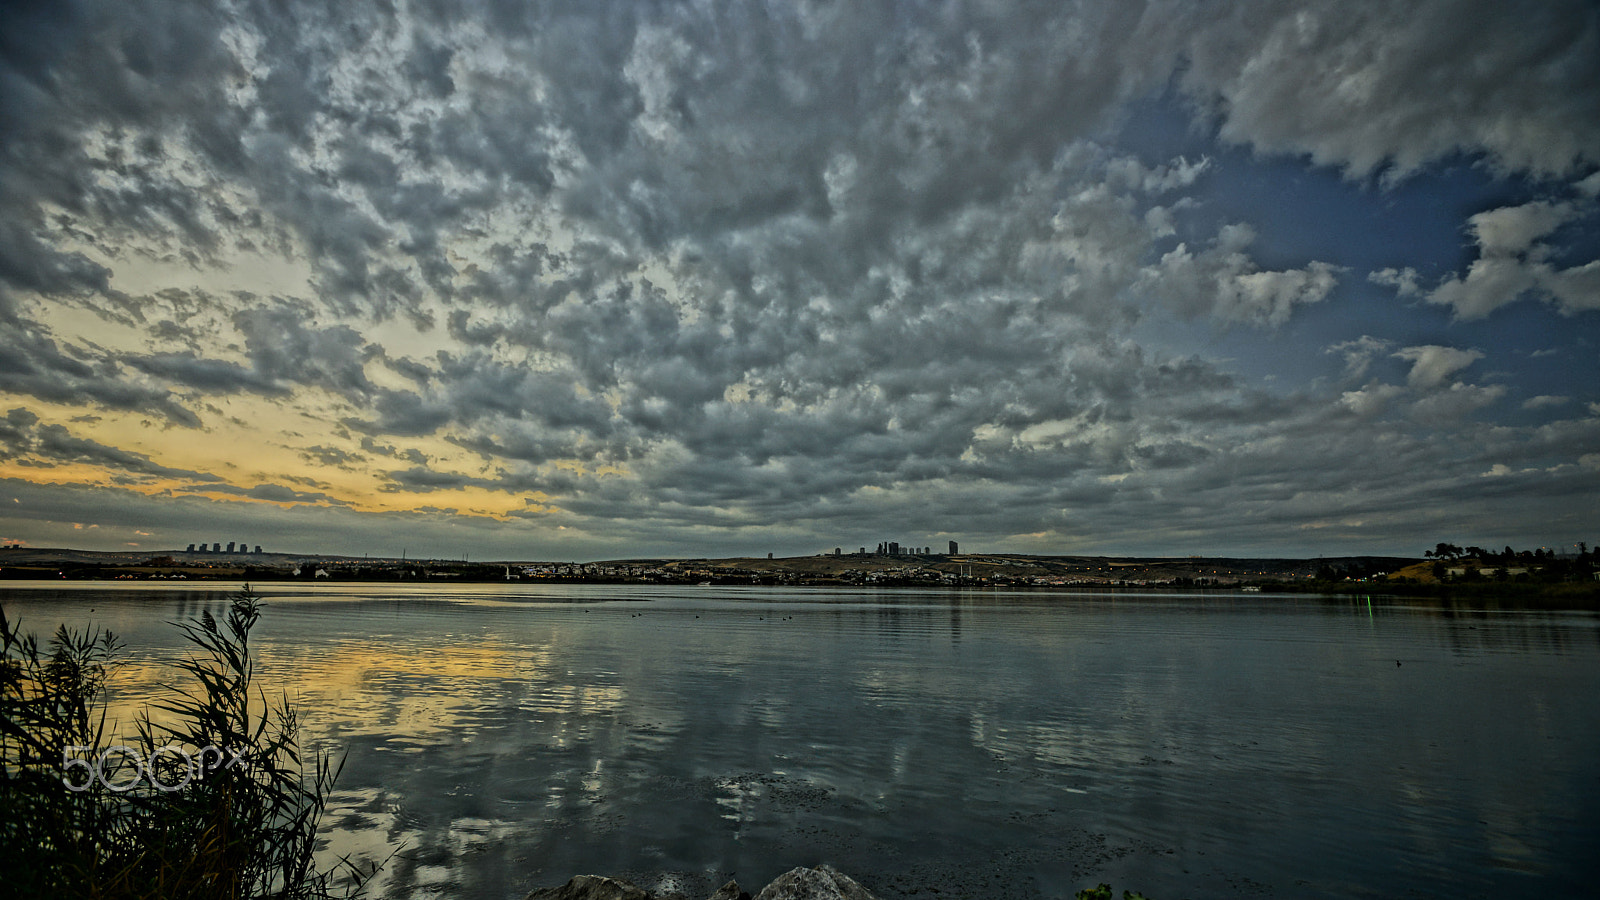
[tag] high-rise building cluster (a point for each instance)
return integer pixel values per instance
(893, 548)
(216, 547)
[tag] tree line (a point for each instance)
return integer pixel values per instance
(1452, 553)
(1541, 564)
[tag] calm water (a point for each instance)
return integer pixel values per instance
(983, 744)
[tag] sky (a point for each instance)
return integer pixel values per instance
(585, 280)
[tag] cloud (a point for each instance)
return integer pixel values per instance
(421, 480)
(282, 347)
(1545, 401)
(1512, 230)
(15, 432)
(798, 268)
(1224, 282)
(1404, 281)
(33, 364)
(1446, 406)
(1370, 400)
(1385, 90)
(274, 493)
(1575, 289)
(1431, 364)
(330, 456)
(1359, 353)
(24, 439)
(211, 376)
(1490, 283)
(1513, 262)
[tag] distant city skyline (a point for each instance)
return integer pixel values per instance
(1268, 278)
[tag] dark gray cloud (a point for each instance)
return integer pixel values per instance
(283, 345)
(21, 436)
(34, 364)
(331, 456)
(420, 480)
(212, 376)
(16, 429)
(275, 493)
(1372, 88)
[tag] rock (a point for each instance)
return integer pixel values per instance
(822, 883)
(591, 887)
(730, 891)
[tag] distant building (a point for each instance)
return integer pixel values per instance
(191, 548)
(230, 546)
(954, 549)
(242, 546)
(894, 548)
(769, 556)
(837, 552)
(217, 547)
(258, 548)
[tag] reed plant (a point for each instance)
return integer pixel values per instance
(212, 798)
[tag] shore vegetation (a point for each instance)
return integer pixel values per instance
(211, 797)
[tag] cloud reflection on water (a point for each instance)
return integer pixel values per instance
(1029, 741)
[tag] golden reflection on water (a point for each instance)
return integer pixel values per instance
(377, 687)
(408, 696)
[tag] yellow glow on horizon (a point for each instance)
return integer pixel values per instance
(260, 442)
(250, 441)
(469, 501)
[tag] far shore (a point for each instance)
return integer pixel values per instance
(1569, 584)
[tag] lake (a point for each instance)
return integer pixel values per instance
(931, 744)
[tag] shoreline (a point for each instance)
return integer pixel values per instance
(1568, 585)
